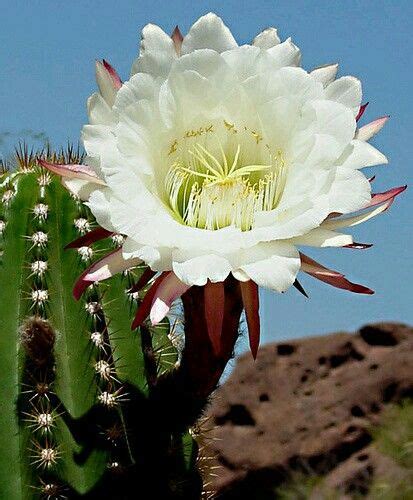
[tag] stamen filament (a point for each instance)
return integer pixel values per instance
(204, 191)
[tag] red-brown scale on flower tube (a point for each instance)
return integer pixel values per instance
(89, 238)
(211, 320)
(205, 310)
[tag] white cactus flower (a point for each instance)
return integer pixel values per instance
(216, 159)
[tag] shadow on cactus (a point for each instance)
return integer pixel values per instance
(90, 408)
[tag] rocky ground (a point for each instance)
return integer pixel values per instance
(308, 407)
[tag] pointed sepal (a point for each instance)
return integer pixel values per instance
(250, 298)
(214, 303)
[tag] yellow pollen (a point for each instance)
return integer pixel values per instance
(174, 147)
(258, 138)
(230, 126)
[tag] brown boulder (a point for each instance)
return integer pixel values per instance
(308, 406)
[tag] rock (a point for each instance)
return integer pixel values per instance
(308, 406)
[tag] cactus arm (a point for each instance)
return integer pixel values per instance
(14, 442)
(74, 375)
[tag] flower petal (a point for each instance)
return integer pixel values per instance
(103, 269)
(379, 198)
(359, 246)
(350, 190)
(99, 112)
(170, 289)
(325, 74)
(361, 111)
(79, 188)
(100, 204)
(157, 53)
(277, 271)
(197, 270)
(322, 238)
(250, 298)
(331, 277)
(73, 171)
(358, 219)
(331, 118)
(311, 266)
(285, 54)
(117, 82)
(346, 90)
(144, 309)
(108, 81)
(214, 297)
(177, 38)
(266, 39)
(368, 131)
(209, 32)
(360, 154)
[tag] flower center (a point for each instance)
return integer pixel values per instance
(211, 186)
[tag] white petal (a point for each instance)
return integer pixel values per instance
(277, 271)
(99, 111)
(109, 266)
(99, 204)
(159, 310)
(360, 154)
(279, 117)
(240, 275)
(292, 83)
(346, 90)
(315, 151)
(285, 54)
(350, 190)
(266, 39)
(331, 118)
(140, 86)
(170, 289)
(200, 83)
(368, 131)
(357, 219)
(105, 83)
(322, 238)
(197, 270)
(158, 259)
(244, 61)
(325, 74)
(96, 139)
(209, 32)
(157, 53)
(79, 187)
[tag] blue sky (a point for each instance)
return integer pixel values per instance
(47, 53)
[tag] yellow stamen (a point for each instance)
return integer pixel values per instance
(211, 191)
